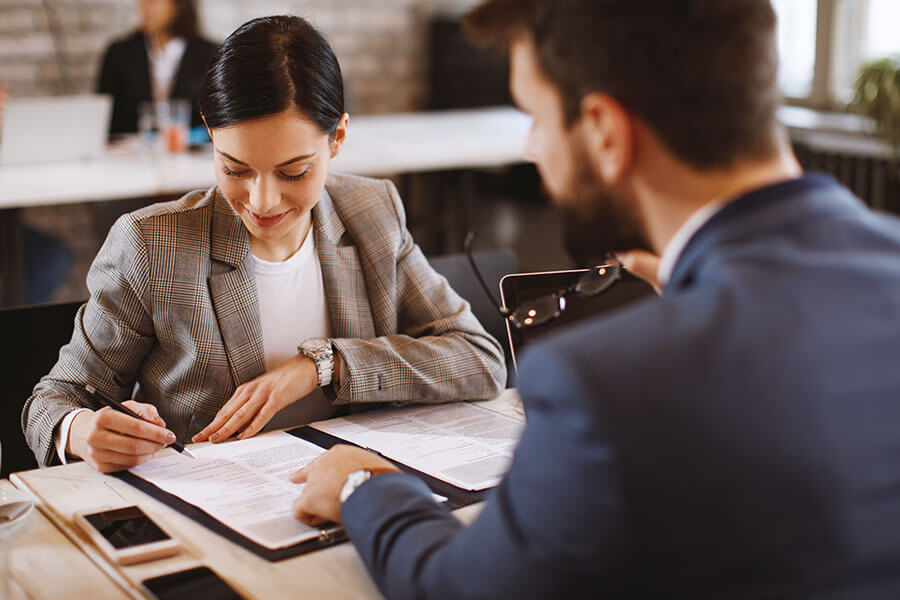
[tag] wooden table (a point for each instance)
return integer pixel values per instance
(377, 145)
(335, 572)
(45, 564)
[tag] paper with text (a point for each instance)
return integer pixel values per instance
(460, 443)
(243, 484)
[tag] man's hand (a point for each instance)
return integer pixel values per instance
(324, 477)
(112, 441)
(641, 263)
(256, 402)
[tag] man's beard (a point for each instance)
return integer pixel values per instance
(596, 222)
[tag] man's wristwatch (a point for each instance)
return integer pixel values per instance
(354, 480)
(322, 352)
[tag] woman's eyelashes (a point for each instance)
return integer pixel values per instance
(287, 177)
(295, 177)
(233, 173)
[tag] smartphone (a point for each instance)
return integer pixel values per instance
(127, 535)
(199, 583)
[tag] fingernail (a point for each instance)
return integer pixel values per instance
(170, 437)
(214, 437)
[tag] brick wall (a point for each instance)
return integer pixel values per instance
(381, 44)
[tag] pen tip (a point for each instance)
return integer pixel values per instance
(189, 453)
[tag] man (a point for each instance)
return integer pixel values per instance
(739, 437)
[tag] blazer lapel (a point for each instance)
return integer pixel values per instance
(232, 289)
(345, 287)
(751, 217)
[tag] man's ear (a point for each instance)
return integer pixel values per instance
(608, 134)
(340, 135)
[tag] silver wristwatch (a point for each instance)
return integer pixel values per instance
(322, 352)
(354, 480)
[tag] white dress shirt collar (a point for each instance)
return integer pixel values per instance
(672, 252)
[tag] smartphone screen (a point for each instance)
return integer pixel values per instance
(126, 527)
(200, 583)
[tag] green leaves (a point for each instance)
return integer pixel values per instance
(877, 96)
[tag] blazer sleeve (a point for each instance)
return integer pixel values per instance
(440, 352)
(554, 523)
(113, 333)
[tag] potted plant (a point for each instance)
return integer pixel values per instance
(877, 96)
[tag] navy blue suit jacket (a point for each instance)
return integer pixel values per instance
(737, 438)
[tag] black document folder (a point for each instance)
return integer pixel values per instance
(456, 498)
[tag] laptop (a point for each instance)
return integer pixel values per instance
(518, 288)
(55, 128)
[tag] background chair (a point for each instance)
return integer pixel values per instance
(32, 337)
(493, 265)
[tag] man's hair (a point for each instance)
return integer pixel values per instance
(702, 74)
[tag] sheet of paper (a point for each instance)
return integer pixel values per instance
(244, 484)
(460, 443)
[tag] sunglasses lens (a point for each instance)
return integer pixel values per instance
(538, 311)
(597, 280)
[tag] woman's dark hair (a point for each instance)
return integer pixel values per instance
(185, 22)
(269, 65)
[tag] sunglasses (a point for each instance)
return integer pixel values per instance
(538, 311)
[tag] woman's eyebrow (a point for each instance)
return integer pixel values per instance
(284, 164)
(296, 159)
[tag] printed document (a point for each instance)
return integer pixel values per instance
(460, 443)
(243, 484)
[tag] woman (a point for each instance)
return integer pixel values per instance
(164, 59)
(205, 299)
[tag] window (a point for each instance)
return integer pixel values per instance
(823, 43)
(796, 46)
(864, 30)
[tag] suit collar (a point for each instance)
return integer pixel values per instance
(755, 213)
(326, 219)
(345, 285)
(229, 241)
(232, 290)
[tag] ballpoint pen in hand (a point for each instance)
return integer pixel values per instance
(116, 405)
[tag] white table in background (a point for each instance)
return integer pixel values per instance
(388, 144)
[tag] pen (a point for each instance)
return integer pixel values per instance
(116, 405)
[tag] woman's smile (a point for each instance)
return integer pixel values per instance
(268, 220)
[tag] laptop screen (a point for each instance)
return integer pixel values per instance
(54, 128)
(518, 288)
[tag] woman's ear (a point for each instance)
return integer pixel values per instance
(339, 135)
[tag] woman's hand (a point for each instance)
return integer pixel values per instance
(109, 440)
(256, 402)
(641, 263)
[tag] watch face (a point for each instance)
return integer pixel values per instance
(314, 344)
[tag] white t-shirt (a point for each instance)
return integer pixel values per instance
(292, 308)
(292, 304)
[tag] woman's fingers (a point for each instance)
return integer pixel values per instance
(225, 413)
(240, 417)
(113, 441)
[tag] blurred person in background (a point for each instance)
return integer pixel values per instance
(164, 59)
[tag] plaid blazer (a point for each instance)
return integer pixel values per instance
(173, 307)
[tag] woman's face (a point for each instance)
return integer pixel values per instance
(272, 171)
(156, 15)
